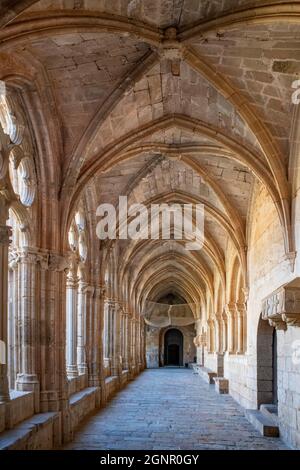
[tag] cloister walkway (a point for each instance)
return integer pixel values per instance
(170, 409)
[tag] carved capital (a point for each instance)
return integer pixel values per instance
(5, 234)
(282, 307)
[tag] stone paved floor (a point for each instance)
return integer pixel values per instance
(170, 409)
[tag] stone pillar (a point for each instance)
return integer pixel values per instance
(81, 326)
(218, 333)
(27, 379)
(142, 343)
(53, 381)
(5, 233)
(230, 313)
(128, 342)
(241, 317)
(116, 358)
(94, 343)
(224, 330)
(133, 357)
(139, 350)
(13, 331)
(211, 335)
(125, 342)
(71, 316)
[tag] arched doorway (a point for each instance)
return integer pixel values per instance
(173, 348)
(266, 364)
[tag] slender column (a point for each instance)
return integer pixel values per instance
(218, 333)
(125, 341)
(224, 331)
(81, 327)
(95, 331)
(129, 338)
(27, 379)
(53, 377)
(133, 358)
(105, 334)
(142, 344)
(5, 233)
(240, 317)
(211, 344)
(116, 359)
(13, 331)
(71, 327)
(230, 312)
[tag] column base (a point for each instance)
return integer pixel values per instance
(82, 369)
(72, 371)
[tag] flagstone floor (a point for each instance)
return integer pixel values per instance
(170, 409)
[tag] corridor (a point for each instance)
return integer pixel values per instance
(170, 408)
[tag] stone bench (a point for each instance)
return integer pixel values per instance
(41, 431)
(221, 385)
(83, 403)
(195, 368)
(206, 374)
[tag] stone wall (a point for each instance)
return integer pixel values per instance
(268, 270)
(155, 345)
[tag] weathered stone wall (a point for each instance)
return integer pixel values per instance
(155, 345)
(268, 270)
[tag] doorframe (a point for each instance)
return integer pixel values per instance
(181, 346)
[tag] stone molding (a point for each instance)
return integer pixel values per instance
(5, 234)
(282, 307)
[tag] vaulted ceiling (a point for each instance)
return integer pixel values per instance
(165, 101)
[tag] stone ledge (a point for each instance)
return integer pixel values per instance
(83, 403)
(112, 385)
(42, 431)
(206, 374)
(19, 408)
(221, 385)
(262, 423)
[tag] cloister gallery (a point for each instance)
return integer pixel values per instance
(164, 102)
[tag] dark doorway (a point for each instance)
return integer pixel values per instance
(173, 348)
(274, 358)
(266, 364)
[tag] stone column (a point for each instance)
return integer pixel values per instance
(116, 358)
(71, 316)
(129, 347)
(218, 334)
(224, 330)
(53, 382)
(27, 379)
(138, 346)
(230, 312)
(125, 341)
(94, 343)
(13, 331)
(211, 345)
(240, 318)
(5, 233)
(133, 358)
(81, 326)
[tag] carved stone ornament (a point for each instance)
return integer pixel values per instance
(282, 307)
(5, 234)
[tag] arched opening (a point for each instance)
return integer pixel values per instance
(173, 348)
(266, 364)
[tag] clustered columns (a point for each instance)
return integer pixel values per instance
(27, 266)
(71, 315)
(235, 313)
(5, 233)
(116, 368)
(226, 331)
(124, 339)
(83, 299)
